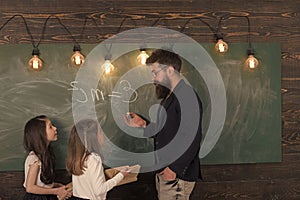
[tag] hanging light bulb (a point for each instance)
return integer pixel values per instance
(107, 66)
(251, 61)
(35, 63)
(142, 57)
(220, 46)
(77, 58)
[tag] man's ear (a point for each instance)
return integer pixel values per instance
(170, 70)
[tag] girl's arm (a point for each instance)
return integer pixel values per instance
(103, 186)
(97, 177)
(31, 186)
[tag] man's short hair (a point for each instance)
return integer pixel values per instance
(165, 57)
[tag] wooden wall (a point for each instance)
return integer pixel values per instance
(271, 21)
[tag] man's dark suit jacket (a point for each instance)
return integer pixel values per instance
(177, 133)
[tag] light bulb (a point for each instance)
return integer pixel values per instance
(108, 67)
(221, 46)
(35, 63)
(77, 58)
(142, 57)
(251, 62)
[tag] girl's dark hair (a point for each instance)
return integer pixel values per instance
(165, 57)
(35, 139)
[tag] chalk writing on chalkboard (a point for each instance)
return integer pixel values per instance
(98, 95)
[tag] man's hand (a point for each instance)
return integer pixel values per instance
(168, 174)
(133, 120)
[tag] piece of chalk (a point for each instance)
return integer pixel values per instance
(129, 115)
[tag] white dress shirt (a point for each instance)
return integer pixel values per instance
(92, 183)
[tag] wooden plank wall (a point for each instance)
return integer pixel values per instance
(271, 21)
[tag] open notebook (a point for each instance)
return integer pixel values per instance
(131, 177)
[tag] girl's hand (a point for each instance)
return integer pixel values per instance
(62, 193)
(125, 171)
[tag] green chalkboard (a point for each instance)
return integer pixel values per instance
(251, 132)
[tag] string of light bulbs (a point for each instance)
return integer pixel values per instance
(142, 57)
(251, 61)
(35, 62)
(221, 46)
(77, 59)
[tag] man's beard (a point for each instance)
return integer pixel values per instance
(161, 90)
